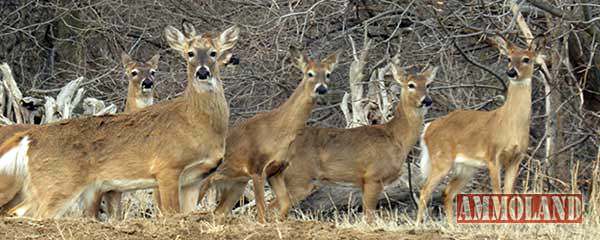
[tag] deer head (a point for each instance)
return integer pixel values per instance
(204, 53)
(414, 83)
(520, 61)
(140, 74)
(315, 73)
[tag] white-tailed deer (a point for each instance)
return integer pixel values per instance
(256, 148)
(466, 140)
(140, 93)
(140, 76)
(366, 157)
(68, 163)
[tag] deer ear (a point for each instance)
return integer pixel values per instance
(398, 73)
(430, 73)
(299, 59)
(332, 60)
(189, 30)
(175, 38)
(154, 61)
(228, 38)
(503, 45)
(225, 59)
(540, 58)
(126, 60)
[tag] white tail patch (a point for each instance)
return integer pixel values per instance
(424, 164)
(14, 161)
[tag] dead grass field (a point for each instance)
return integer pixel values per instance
(204, 226)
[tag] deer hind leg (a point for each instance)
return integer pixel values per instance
(510, 175)
(462, 174)
(168, 187)
(9, 187)
(230, 192)
(371, 191)
(277, 183)
(435, 175)
(113, 204)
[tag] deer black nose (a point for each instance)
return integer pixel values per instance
(147, 83)
(203, 73)
(511, 72)
(321, 89)
(427, 101)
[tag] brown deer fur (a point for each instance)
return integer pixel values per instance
(367, 157)
(466, 140)
(69, 162)
(256, 148)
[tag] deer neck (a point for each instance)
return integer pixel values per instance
(516, 111)
(206, 104)
(137, 100)
(294, 112)
(406, 125)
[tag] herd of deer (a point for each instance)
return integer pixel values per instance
(182, 147)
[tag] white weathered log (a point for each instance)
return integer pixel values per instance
(91, 106)
(111, 109)
(50, 110)
(29, 115)
(14, 94)
(356, 76)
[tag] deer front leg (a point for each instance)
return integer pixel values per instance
(259, 194)
(168, 187)
(511, 173)
(371, 191)
(113, 204)
(190, 194)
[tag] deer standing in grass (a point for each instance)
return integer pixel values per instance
(68, 163)
(466, 140)
(256, 148)
(367, 157)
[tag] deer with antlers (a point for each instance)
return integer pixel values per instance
(68, 163)
(334, 156)
(140, 93)
(466, 140)
(256, 148)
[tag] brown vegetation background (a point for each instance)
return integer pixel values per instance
(48, 43)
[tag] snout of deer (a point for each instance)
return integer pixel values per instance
(512, 73)
(147, 84)
(426, 101)
(202, 73)
(321, 88)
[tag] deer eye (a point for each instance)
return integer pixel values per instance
(526, 60)
(213, 54)
(328, 75)
(411, 85)
(509, 60)
(134, 72)
(152, 72)
(310, 74)
(191, 54)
